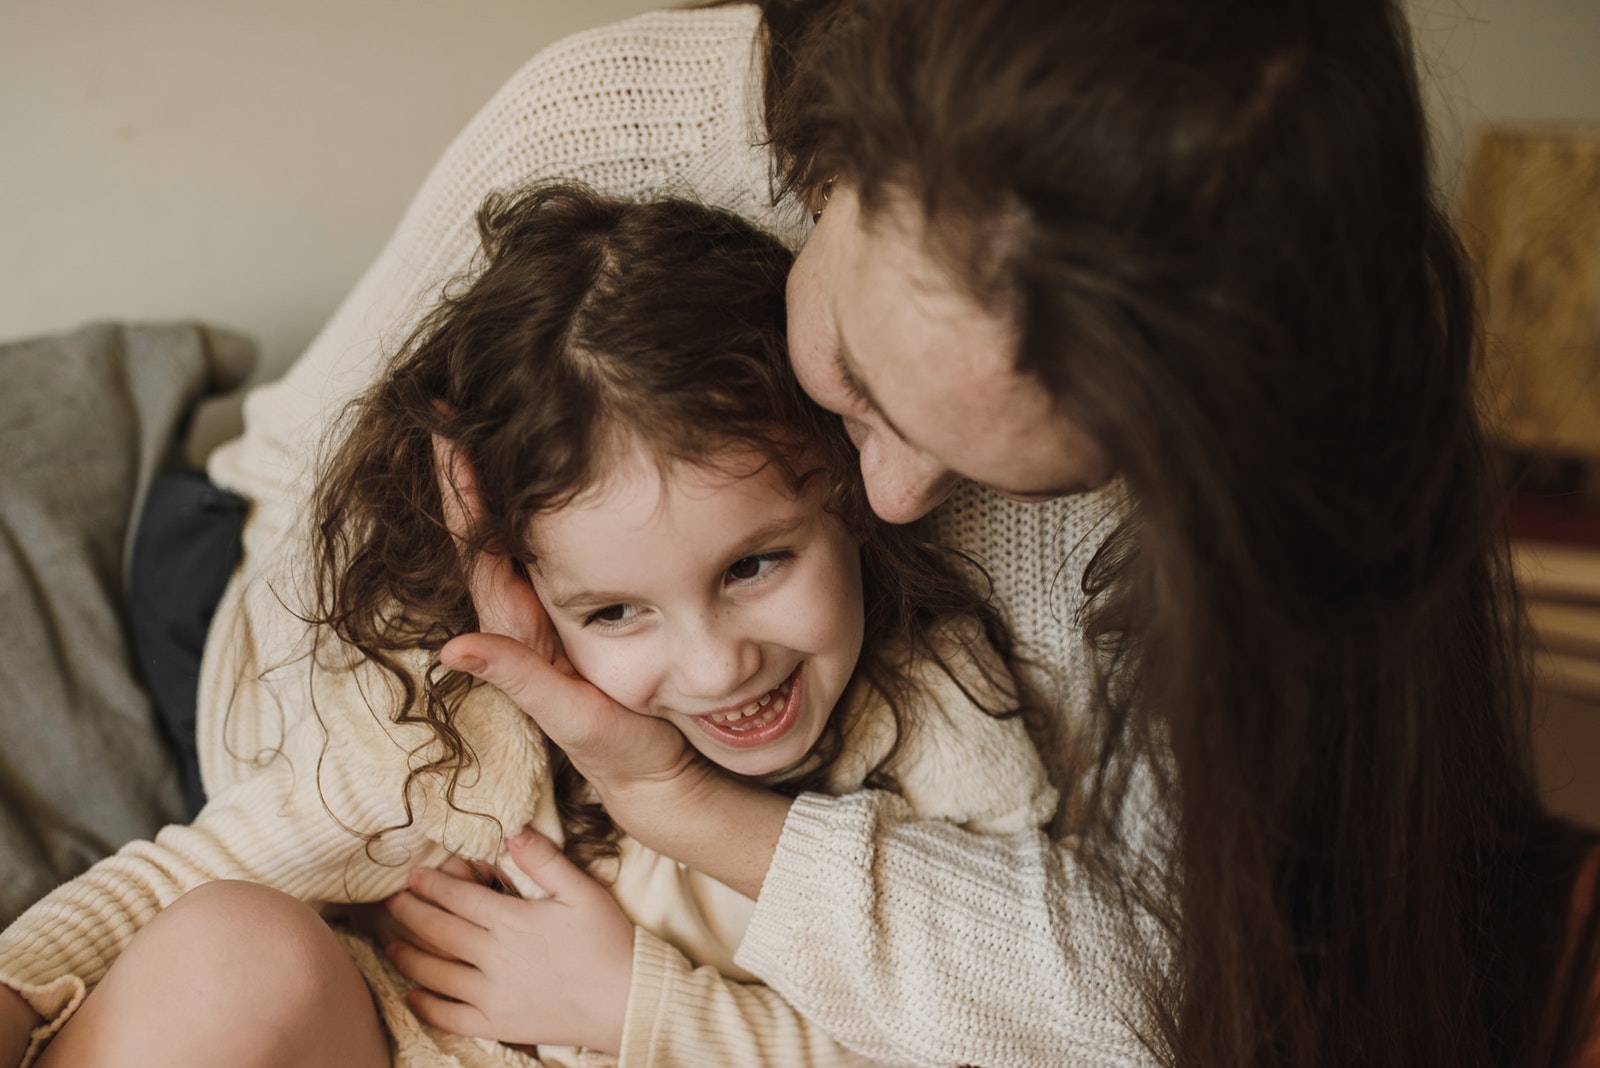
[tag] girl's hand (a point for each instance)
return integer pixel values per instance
(374, 919)
(554, 971)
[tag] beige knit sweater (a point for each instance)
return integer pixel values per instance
(913, 942)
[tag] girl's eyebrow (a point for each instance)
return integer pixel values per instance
(778, 528)
(580, 600)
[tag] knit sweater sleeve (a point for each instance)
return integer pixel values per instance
(961, 757)
(921, 942)
(303, 768)
(680, 1014)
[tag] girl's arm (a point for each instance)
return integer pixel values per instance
(681, 1014)
(571, 969)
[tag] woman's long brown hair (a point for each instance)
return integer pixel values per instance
(1215, 222)
(590, 321)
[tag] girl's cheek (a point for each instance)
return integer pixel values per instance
(818, 620)
(616, 673)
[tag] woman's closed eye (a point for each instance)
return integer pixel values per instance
(759, 566)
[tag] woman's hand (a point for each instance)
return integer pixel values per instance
(554, 970)
(17, 1021)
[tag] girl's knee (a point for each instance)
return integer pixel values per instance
(232, 972)
(236, 940)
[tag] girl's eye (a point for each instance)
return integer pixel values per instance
(612, 615)
(749, 568)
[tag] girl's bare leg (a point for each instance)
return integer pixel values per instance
(231, 973)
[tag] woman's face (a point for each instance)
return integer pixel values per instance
(923, 376)
(716, 598)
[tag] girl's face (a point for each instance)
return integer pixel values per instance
(710, 597)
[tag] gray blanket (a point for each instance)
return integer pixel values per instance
(86, 419)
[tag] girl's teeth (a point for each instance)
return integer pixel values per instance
(762, 720)
(741, 720)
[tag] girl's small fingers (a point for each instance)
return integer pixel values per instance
(436, 929)
(547, 866)
(477, 871)
(378, 923)
(459, 867)
(454, 1016)
(463, 898)
(451, 978)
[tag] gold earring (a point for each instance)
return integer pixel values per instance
(826, 192)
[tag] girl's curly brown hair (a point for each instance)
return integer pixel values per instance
(590, 318)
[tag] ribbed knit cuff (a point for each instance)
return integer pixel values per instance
(655, 966)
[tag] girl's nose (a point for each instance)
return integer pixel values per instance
(716, 662)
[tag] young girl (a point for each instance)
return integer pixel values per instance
(612, 394)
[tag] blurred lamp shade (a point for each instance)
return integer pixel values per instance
(1529, 215)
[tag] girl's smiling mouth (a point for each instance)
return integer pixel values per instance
(761, 721)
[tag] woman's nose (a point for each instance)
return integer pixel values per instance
(903, 483)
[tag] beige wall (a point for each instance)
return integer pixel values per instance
(242, 162)
(236, 161)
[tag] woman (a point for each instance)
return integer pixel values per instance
(1194, 245)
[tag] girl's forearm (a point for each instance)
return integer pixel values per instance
(706, 820)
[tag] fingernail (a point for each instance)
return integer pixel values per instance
(471, 665)
(521, 838)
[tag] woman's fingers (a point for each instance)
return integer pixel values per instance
(507, 605)
(500, 592)
(602, 738)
